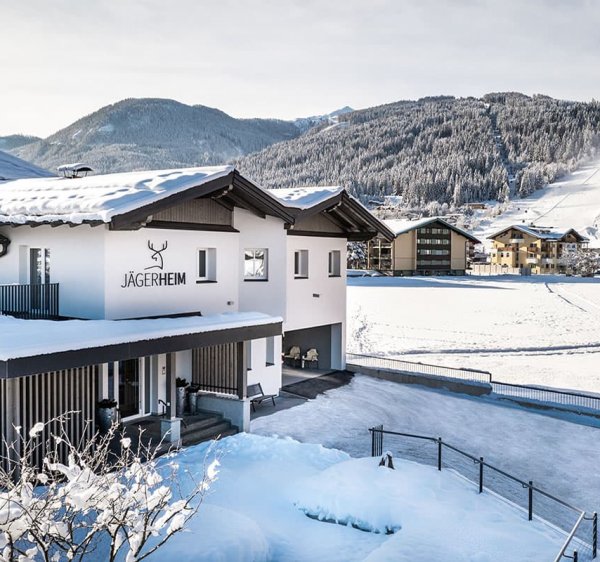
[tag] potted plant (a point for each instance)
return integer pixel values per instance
(192, 397)
(181, 385)
(107, 414)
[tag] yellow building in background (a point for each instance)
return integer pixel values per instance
(542, 250)
(430, 246)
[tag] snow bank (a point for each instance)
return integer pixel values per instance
(25, 338)
(251, 512)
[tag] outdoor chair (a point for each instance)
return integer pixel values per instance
(293, 356)
(311, 358)
(257, 396)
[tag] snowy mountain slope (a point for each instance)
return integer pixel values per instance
(305, 123)
(137, 134)
(13, 168)
(573, 202)
(10, 142)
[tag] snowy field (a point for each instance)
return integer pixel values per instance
(573, 202)
(541, 330)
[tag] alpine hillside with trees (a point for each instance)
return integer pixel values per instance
(438, 149)
(149, 133)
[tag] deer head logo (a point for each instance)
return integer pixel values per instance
(156, 256)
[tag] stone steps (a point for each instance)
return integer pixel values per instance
(195, 429)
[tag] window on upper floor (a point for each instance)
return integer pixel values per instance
(206, 270)
(301, 264)
(334, 263)
(256, 264)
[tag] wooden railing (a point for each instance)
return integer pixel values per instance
(30, 301)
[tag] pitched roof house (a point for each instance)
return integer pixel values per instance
(541, 250)
(157, 275)
(425, 246)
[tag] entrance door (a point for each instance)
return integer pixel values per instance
(129, 388)
(39, 277)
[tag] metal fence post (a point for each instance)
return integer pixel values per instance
(530, 500)
(594, 535)
(480, 475)
(439, 453)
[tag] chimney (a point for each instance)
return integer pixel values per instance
(78, 170)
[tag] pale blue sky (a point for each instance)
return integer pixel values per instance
(62, 59)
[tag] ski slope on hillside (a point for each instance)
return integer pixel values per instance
(573, 202)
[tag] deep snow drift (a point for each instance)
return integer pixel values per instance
(256, 510)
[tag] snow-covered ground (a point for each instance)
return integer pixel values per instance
(573, 202)
(257, 510)
(534, 330)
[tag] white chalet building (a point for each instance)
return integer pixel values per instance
(113, 286)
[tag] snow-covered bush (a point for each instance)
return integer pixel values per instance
(108, 497)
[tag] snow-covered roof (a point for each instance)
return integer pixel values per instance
(12, 168)
(28, 338)
(305, 197)
(398, 226)
(542, 234)
(95, 198)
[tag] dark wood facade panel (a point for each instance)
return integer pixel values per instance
(214, 368)
(318, 224)
(196, 211)
(28, 400)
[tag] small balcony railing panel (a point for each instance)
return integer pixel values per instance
(34, 301)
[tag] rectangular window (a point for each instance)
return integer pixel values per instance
(334, 263)
(206, 271)
(301, 264)
(39, 266)
(255, 264)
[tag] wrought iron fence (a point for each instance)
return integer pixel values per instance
(580, 527)
(577, 401)
(411, 367)
(35, 301)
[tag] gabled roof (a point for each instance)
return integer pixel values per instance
(403, 226)
(126, 199)
(541, 233)
(341, 208)
(129, 200)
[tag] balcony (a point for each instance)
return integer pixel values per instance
(30, 301)
(531, 261)
(516, 240)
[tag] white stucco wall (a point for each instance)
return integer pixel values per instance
(127, 253)
(304, 309)
(269, 376)
(77, 263)
(263, 296)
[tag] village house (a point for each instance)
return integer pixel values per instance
(429, 246)
(194, 274)
(541, 250)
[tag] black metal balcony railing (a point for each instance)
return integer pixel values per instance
(30, 301)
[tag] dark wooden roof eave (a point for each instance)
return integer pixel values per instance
(356, 221)
(56, 361)
(53, 224)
